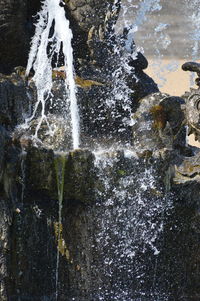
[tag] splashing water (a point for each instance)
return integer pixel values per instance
(194, 17)
(132, 208)
(146, 6)
(44, 48)
(194, 35)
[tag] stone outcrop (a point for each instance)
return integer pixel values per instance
(83, 225)
(29, 207)
(16, 29)
(158, 123)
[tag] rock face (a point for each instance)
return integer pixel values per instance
(83, 225)
(158, 123)
(105, 199)
(193, 101)
(16, 29)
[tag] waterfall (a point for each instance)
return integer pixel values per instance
(126, 220)
(45, 48)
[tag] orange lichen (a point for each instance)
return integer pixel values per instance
(86, 83)
(61, 245)
(83, 83)
(159, 117)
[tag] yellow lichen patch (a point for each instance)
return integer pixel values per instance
(156, 192)
(62, 247)
(145, 154)
(184, 175)
(189, 168)
(58, 74)
(91, 33)
(159, 117)
(180, 178)
(21, 71)
(86, 83)
(80, 82)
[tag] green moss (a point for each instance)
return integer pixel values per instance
(62, 247)
(59, 162)
(121, 172)
(60, 177)
(159, 116)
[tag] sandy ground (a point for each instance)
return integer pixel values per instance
(167, 32)
(175, 82)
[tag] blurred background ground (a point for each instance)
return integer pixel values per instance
(168, 33)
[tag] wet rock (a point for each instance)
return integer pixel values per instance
(85, 12)
(40, 164)
(4, 137)
(40, 172)
(79, 176)
(188, 170)
(5, 246)
(9, 166)
(15, 99)
(32, 255)
(16, 29)
(110, 204)
(83, 17)
(53, 133)
(11, 173)
(192, 99)
(158, 123)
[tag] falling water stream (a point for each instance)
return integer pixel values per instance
(129, 221)
(45, 48)
(60, 175)
(130, 226)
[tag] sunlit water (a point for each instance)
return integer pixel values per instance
(165, 35)
(46, 47)
(132, 206)
(131, 211)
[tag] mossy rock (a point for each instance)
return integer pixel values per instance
(40, 172)
(41, 176)
(79, 176)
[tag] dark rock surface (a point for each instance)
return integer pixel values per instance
(30, 221)
(16, 29)
(15, 98)
(158, 123)
(129, 226)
